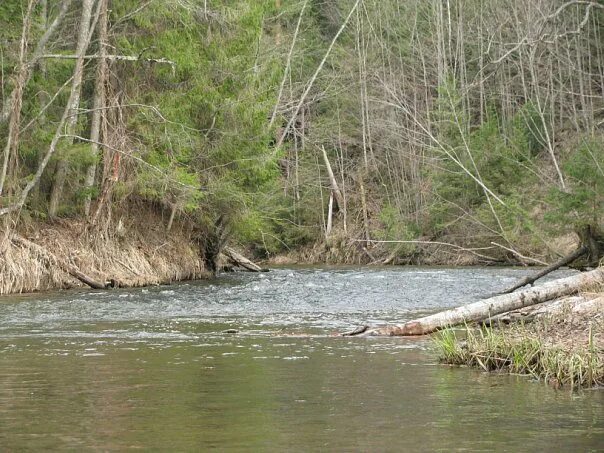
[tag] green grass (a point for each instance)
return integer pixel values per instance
(497, 349)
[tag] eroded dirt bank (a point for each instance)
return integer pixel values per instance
(137, 251)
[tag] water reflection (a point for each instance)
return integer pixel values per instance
(152, 369)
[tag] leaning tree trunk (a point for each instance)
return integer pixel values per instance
(484, 309)
(551, 268)
(83, 42)
(98, 113)
(592, 246)
(239, 260)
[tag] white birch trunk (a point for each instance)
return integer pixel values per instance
(484, 309)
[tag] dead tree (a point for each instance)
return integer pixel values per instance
(484, 309)
(591, 246)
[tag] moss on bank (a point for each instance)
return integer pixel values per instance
(566, 350)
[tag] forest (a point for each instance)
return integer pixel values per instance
(337, 131)
(416, 187)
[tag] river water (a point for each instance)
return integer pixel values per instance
(153, 369)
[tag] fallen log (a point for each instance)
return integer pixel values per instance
(63, 265)
(486, 308)
(550, 308)
(239, 260)
(551, 268)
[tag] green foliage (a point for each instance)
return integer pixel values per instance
(500, 155)
(10, 29)
(583, 201)
(394, 81)
(215, 145)
(395, 227)
(79, 155)
(527, 134)
(448, 115)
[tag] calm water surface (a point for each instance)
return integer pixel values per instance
(152, 369)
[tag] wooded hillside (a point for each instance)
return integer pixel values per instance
(342, 130)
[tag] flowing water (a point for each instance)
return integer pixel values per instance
(153, 369)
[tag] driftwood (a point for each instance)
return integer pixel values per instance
(238, 259)
(568, 306)
(551, 268)
(63, 265)
(484, 309)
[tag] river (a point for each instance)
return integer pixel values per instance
(153, 369)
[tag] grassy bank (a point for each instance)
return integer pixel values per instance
(137, 251)
(563, 350)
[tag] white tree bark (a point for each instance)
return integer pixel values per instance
(74, 101)
(484, 309)
(99, 102)
(240, 260)
(335, 188)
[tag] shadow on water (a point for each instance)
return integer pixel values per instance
(152, 368)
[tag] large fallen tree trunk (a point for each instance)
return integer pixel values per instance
(239, 260)
(484, 309)
(64, 265)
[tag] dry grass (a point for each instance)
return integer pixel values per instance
(136, 254)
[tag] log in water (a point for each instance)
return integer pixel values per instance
(154, 369)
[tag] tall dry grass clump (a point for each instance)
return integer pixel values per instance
(139, 253)
(24, 270)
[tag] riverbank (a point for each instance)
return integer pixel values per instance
(342, 248)
(560, 342)
(137, 251)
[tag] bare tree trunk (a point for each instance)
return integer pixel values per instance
(12, 140)
(172, 215)
(551, 268)
(329, 215)
(98, 113)
(365, 215)
(334, 183)
(484, 309)
(73, 96)
(239, 260)
(74, 102)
